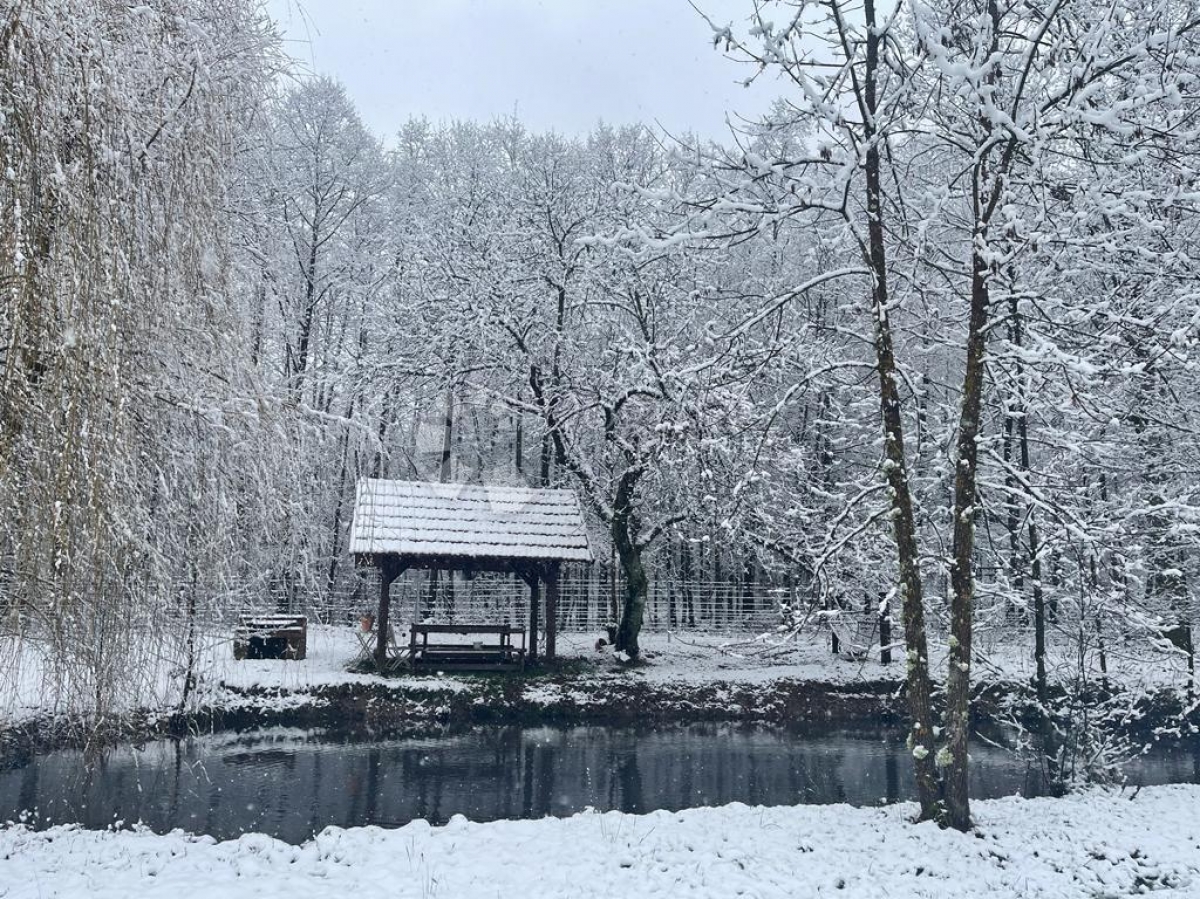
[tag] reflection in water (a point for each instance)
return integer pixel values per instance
(293, 784)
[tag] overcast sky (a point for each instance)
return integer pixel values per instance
(561, 64)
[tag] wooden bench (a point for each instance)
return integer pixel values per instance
(270, 637)
(466, 656)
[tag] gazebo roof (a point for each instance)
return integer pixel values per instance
(414, 519)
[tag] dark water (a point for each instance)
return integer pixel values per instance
(292, 784)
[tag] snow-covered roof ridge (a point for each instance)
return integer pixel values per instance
(417, 518)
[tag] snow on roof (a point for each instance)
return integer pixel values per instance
(467, 521)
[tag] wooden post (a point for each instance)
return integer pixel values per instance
(552, 581)
(885, 634)
(534, 590)
(387, 574)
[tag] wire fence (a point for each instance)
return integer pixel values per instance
(591, 603)
(588, 601)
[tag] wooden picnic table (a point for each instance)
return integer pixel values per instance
(476, 655)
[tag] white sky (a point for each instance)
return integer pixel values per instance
(562, 64)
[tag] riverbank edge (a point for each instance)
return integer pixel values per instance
(414, 706)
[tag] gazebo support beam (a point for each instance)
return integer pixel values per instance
(389, 570)
(534, 600)
(552, 572)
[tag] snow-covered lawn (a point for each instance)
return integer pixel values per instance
(702, 658)
(697, 658)
(27, 682)
(1097, 844)
(683, 657)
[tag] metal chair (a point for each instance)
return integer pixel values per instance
(397, 655)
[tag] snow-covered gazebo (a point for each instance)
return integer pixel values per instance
(529, 532)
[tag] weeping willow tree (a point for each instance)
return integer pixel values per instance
(121, 403)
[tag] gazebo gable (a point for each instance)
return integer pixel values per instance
(457, 523)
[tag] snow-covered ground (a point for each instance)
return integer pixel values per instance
(697, 658)
(1095, 844)
(1098, 844)
(27, 681)
(690, 657)
(683, 657)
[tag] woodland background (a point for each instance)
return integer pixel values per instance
(224, 301)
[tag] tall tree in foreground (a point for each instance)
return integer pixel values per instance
(121, 407)
(1022, 92)
(852, 90)
(982, 108)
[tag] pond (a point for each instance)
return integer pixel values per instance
(292, 784)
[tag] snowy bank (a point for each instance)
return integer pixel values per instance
(1098, 844)
(683, 677)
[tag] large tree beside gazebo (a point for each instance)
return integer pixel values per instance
(528, 532)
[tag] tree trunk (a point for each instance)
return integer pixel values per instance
(546, 459)
(629, 554)
(304, 336)
(1017, 431)
(444, 469)
(338, 508)
(1035, 573)
(962, 580)
(189, 678)
(635, 589)
(688, 574)
(519, 445)
(918, 686)
(1016, 558)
